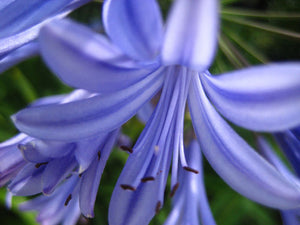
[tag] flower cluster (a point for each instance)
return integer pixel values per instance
(66, 140)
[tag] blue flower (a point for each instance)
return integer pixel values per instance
(190, 204)
(132, 66)
(62, 207)
(290, 145)
(20, 22)
(30, 166)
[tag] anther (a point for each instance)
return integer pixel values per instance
(68, 199)
(174, 189)
(38, 165)
(190, 169)
(127, 187)
(99, 155)
(126, 149)
(157, 208)
(80, 175)
(145, 179)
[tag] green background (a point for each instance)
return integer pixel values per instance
(248, 36)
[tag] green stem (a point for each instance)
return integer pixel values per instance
(264, 27)
(244, 45)
(257, 14)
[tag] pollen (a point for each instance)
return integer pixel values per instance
(126, 149)
(68, 199)
(145, 179)
(174, 189)
(127, 187)
(38, 165)
(190, 169)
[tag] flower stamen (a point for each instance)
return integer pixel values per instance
(68, 199)
(126, 149)
(127, 187)
(145, 179)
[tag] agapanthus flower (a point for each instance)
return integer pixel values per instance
(190, 204)
(289, 217)
(61, 207)
(31, 166)
(289, 142)
(131, 66)
(20, 21)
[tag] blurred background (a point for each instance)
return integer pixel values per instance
(252, 32)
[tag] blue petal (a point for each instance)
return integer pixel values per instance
(87, 150)
(53, 209)
(20, 21)
(88, 117)
(262, 98)
(134, 26)
(145, 112)
(28, 181)
(49, 100)
(85, 59)
(234, 160)
(18, 16)
(11, 160)
(191, 34)
(56, 170)
(271, 156)
(290, 145)
(190, 201)
(290, 218)
(296, 132)
(18, 55)
(40, 151)
(91, 178)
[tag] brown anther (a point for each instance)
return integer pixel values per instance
(126, 149)
(38, 165)
(145, 179)
(127, 187)
(174, 189)
(80, 175)
(99, 155)
(68, 199)
(190, 169)
(157, 207)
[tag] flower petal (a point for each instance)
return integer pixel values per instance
(40, 151)
(17, 16)
(85, 59)
(22, 53)
(11, 160)
(134, 26)
(191, 34)
(56, 170)
(290, 146)
(91, 178)
(88, 117)
(145, 112)
(262, 98)
(87, 150)
(28, 181)
(234, 160)
(20, 22)
(289, 217)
